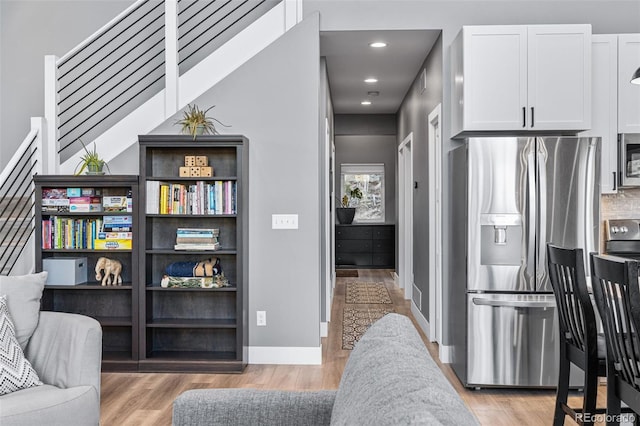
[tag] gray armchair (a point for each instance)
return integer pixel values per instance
(66, 352)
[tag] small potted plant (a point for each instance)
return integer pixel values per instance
(91, 162)
(347, 210)
(196, 122)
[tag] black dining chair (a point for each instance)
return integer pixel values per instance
(617, 293)
(580, 343)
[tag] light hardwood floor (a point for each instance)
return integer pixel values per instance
(146, 398)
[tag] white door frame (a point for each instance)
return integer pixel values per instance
(329, 219)
(435, 223)
(405, 215)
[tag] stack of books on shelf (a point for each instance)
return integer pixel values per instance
(197, 239)
(84, 200)
(116, 233)
(201, 197)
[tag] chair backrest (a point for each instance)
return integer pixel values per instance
(617, 293)
(575, 311)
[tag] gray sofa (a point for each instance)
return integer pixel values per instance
(66, 351)
(389, 379)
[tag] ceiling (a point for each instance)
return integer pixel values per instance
(350, 60)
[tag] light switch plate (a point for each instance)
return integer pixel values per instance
(284, 221)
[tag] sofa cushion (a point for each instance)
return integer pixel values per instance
(391, 379)
(23, 297)
(15, 371)
(51, 406)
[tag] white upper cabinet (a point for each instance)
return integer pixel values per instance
(604, 93)
(628, 94)
(521, 78)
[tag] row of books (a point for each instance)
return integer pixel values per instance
(202, 197)
(84, 200)
(197, 239)
(108, 232)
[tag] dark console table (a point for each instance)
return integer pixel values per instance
(365, 246)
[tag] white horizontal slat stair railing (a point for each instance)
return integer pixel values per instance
(17, 202)
(180, 80)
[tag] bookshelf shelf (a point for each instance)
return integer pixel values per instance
(181, 328)
(115, 307)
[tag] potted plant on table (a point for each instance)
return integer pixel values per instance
(91, 162)
(347, 209)
(196, 122)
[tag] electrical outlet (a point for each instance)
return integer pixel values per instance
(261, 318)
(284, 221)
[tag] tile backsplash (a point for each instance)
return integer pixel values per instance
(623, 205)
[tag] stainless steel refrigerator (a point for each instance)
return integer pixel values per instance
(510, 196)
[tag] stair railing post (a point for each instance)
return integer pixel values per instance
(50, 148)
(38, 165)
(292, 13)
(171, 57)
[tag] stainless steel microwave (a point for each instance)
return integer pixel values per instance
(629, 160)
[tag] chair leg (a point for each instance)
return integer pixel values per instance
(563, 389)
(613, 402)
(590, 395)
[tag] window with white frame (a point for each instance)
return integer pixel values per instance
(369, 178)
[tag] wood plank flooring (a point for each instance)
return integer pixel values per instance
(146, 398)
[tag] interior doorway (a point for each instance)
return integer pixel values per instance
(405, 215)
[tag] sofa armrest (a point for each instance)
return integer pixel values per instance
(252, 407)
(66, 350)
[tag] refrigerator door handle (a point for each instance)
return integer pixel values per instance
(541, 255)
(531, 225)
(514, 303)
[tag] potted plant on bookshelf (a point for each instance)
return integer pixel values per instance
(347, 211)
(91, 162)
(196, 122)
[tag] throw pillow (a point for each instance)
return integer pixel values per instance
(16, 371)
(23, 299)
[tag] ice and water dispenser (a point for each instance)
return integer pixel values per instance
(501, 239)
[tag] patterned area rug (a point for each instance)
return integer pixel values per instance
(356, 321)
(369, 293)
(346, 273)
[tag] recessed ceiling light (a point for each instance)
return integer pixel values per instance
(378, 44)
(365, 102)
(371, 80)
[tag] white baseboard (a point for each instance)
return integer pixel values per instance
(396, 278)
(446, 354)
(324, 329)
(285, 355)
(421, 320)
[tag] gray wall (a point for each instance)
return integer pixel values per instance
(354, 144)
(273, 100)
(413, 117)
(29, 30)
(605, 16)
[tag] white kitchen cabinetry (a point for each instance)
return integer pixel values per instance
(521, 78)
(628, 94)
(604, 121)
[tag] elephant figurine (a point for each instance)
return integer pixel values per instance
(110, 267)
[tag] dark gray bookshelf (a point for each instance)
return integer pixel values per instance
(193, 329)
(115, 307)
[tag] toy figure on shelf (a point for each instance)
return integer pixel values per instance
(111, 268)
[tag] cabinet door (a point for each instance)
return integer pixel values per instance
(495, 77)
(628, 94)
(604, 106)
(559, 77)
